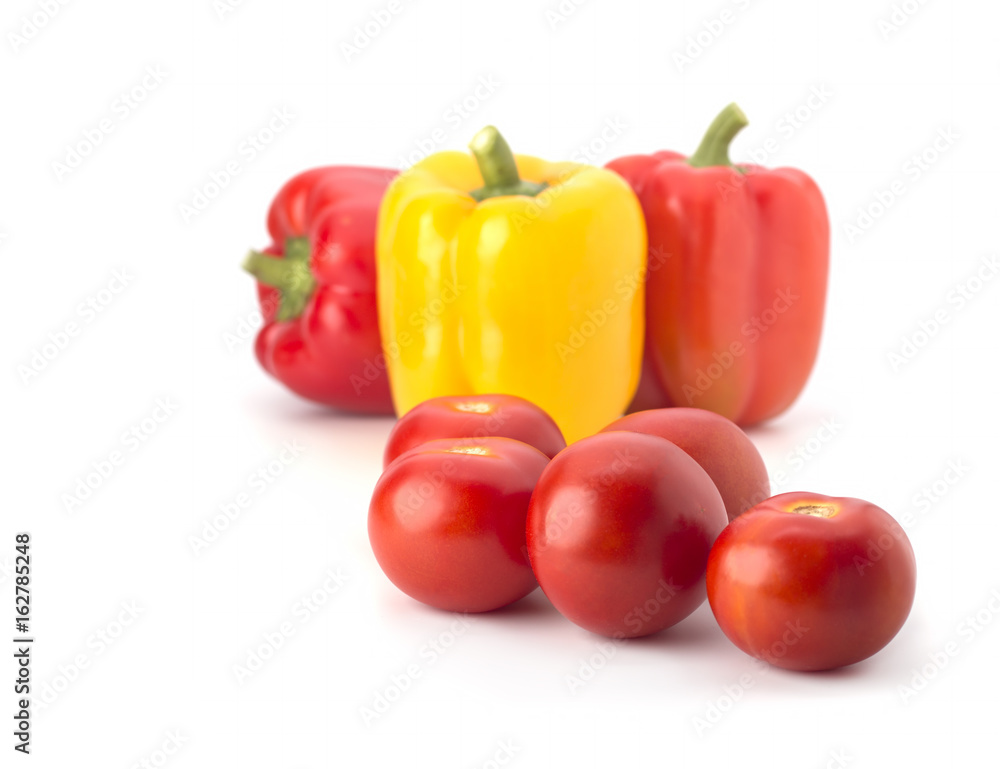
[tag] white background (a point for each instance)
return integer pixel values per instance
(892, 431)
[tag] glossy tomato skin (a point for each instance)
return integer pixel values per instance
(812, 590)
(619, 531)
(475, 416)
(717, 444)
(447, 522)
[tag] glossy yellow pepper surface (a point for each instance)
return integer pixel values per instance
(508, 274)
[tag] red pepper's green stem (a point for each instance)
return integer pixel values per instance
(714, 148)
(290, 275)
(496, 164)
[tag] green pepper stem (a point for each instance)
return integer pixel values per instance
(498, 167)
(290, 275)
(714, 147)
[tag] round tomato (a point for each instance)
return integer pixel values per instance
(474, 416)
(714, 442)
(447, 522)
(809, 582)
(619, 531)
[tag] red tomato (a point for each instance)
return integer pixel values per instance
(808, 582)
(474, 416)
(447, 522)
(718, 445)
(619, 531)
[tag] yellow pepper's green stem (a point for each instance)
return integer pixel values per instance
(290, 275)
(714, 148)
(499, 170)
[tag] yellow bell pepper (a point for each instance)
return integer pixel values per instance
(508, 274)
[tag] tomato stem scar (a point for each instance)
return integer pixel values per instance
(817, 511)
(474, 407)
(480, 450)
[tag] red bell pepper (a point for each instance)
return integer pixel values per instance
(316, 285)
(736, 278)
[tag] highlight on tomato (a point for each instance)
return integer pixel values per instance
(810, 582)
(447, 522)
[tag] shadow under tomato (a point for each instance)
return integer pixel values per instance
(533, 605)
(697, 631)
(532, 608)
(851, 672)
